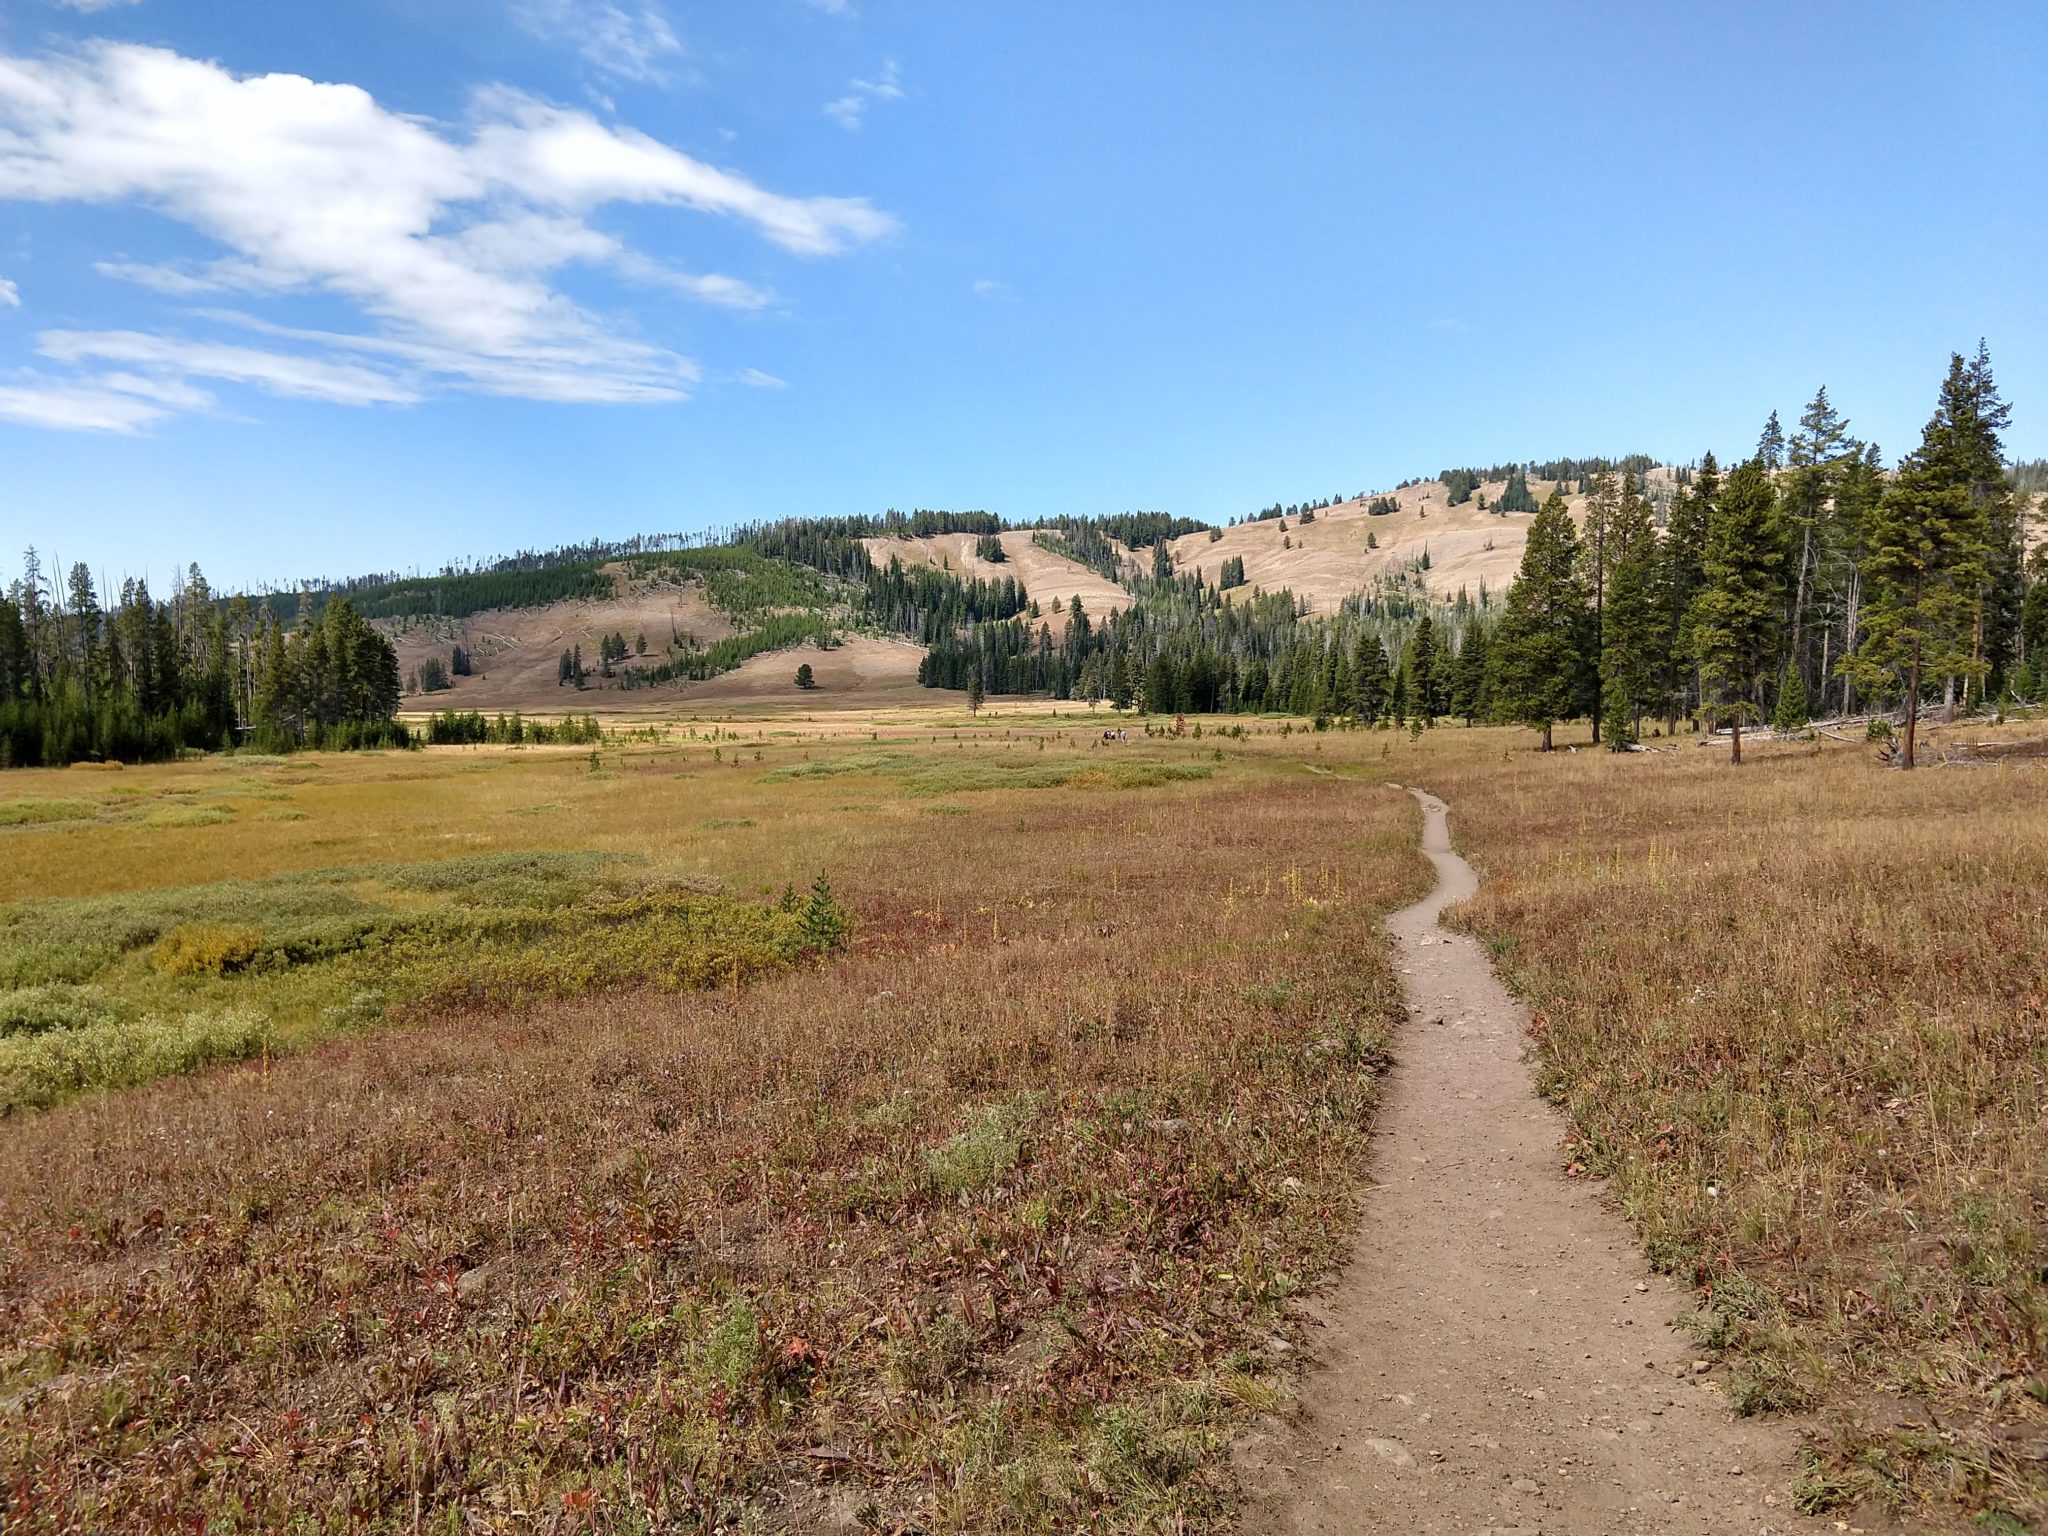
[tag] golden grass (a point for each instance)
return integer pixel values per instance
(985, 1223)
(992, 1213)
(1799, 1013)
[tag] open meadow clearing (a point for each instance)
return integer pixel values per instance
(641, 1178)
(983, 1216)
(1796, 1013)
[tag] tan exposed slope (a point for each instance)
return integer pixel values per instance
(515, 651)
(861, 672)
(1328, 560)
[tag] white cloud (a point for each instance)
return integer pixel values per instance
(850, 110)
(754, 378)
(447, 241)
(308, 378)
(91, 7)
(10, 295)
(627, 41)
(992, 288)
(834, 7)
(595, 370)
(77, 407)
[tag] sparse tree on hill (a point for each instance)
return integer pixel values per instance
(805, 678)
(1539, 648)
(1736, 615)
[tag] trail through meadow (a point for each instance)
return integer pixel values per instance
(1498, 1357)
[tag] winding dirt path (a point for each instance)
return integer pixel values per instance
(1497, 1356)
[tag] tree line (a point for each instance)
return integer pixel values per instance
(144, 678)
(1807, 581)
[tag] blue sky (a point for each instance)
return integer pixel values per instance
(293, 289)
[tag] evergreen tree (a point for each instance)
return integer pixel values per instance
(1631, 659)
(1856, 498)
(1681, 560)
(1602, 502)
(1820, 449)
(1792, 712)
(1770, 446)
(1517, 497)
(1538, 650)
(1735, 618)
(1422, 661)
(975, 692)
(1371, 678)
(805, 678)
(1468, 696)
(1928, 562)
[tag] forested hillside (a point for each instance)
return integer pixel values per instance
(1806, 578)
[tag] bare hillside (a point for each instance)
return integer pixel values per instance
(515, 651)
(1340, 553)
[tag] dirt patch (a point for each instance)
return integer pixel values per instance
(1497, 1355)
(861, 672)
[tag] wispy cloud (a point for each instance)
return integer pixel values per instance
(101, 406)
(992, 288)
(91, 7)
(834, 7)
(628, 42)
(446, 240)
(10, 295)
(171, 358)
(754, 378)
(850, 110)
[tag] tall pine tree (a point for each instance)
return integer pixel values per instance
(1735, 618)
(1539, 648)
(1630, 659)
(1928, 562)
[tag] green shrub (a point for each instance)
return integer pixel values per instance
(34, 1010)
(38, 1070)
(188, 816)
(36, 962)
(18, 813)
(732, 1355)
(976, 1158)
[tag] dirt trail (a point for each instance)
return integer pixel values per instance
(1497, 1356)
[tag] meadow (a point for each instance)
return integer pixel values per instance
(1798, 1014)
(983, 1214)
(975, 1195)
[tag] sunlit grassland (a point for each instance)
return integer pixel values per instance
(1799, 1012)
(986, 1220)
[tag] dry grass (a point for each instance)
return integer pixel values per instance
(1799, 1013)
(984, 1224)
